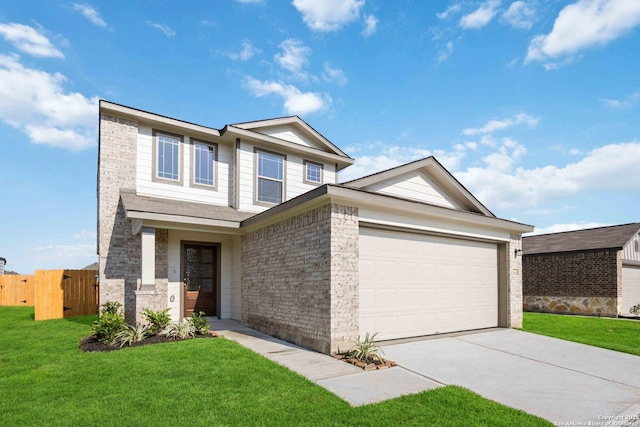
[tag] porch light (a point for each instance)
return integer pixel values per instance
(517, 252)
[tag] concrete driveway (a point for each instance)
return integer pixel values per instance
(558, 380)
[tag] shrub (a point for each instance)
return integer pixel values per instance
(199, 323)
(365, 350)
(132, 334)
(158, 320)
(181, 330)
(635, 310)
(109, 323)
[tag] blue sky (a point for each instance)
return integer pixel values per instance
(533, 105)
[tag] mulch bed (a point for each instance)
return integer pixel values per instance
(90, 343)
(369, 365)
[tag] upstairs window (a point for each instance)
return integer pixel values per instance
(204, 164)
(270, 177)
(167, 156)
(312, 173)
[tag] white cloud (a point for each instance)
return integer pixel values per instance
(481, 16)
(246, 53)
(334, 75)
(63, 256)
(328, 15)
(28, 40)
(295, 101)
(370, 25)
(495, 125)
(559, 228)
(519, 15)
(390, 156)
(604, 168)
(164, 28)
(628, 102)
(584, 24)
(446, 52)
(90, 13)
(36, 102)
(451, 10)
(294, 57)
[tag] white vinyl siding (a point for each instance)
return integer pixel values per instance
(147, 186)
(413, 284)
(291, 135)
(414, 185)
(630, 288)
(631, 250)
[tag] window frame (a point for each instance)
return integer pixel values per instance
(305, 179)
(194, 142)
(155, 159)
(257, 177)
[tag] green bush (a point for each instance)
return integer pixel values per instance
(181, 330)
(635, 310)
(158, 320)
(199, 323)
(110, 323)
(132, 334)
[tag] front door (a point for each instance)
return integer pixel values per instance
(200, 266)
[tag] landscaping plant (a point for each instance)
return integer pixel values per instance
(132, 334)
(199, 322)
(365, 350)
(181, 330)
(635, 310)
(110, 322)
(158, 320)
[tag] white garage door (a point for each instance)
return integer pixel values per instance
(412, 285)
(630, 288)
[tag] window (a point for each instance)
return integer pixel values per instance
(167, 156)
(312, 173)
(270, 179)
(204, 164)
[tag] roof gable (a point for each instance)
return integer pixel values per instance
(613, 237)
(424, 180)
(291, 129)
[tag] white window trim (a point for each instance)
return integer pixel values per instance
(194, 142)
(306, 163)
(155, 159)
(256, 201)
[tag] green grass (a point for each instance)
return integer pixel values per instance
(45, 380)
(614, 334)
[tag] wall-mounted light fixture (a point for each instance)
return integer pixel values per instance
(517, 252)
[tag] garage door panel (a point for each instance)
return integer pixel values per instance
(425, 284)
(630, 288)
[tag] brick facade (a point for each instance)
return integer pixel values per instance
(514, 288)
(300, 278)
(120, 251)
(581, 282)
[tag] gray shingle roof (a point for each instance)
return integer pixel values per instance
(134, 202)
(613, 237)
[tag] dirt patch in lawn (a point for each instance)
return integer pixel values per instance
(91, 343)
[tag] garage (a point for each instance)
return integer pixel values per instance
(630, 288)
(415, 284)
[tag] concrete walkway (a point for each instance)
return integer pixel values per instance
(352, 384)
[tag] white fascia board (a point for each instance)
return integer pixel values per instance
(175, 221)
(155, 119)
(342, 161)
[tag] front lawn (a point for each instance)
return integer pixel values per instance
(614, 334)
(46, 380)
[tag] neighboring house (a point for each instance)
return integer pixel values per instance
(594, 271)
(3, 262)
(248, 222)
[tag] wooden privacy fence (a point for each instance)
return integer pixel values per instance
(53, 293)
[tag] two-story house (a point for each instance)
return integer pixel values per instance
(248, 222)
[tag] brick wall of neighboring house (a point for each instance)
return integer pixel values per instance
(583, 282)
(300, 277)
(120, 251)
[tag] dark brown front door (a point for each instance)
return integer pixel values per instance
(200, 279)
